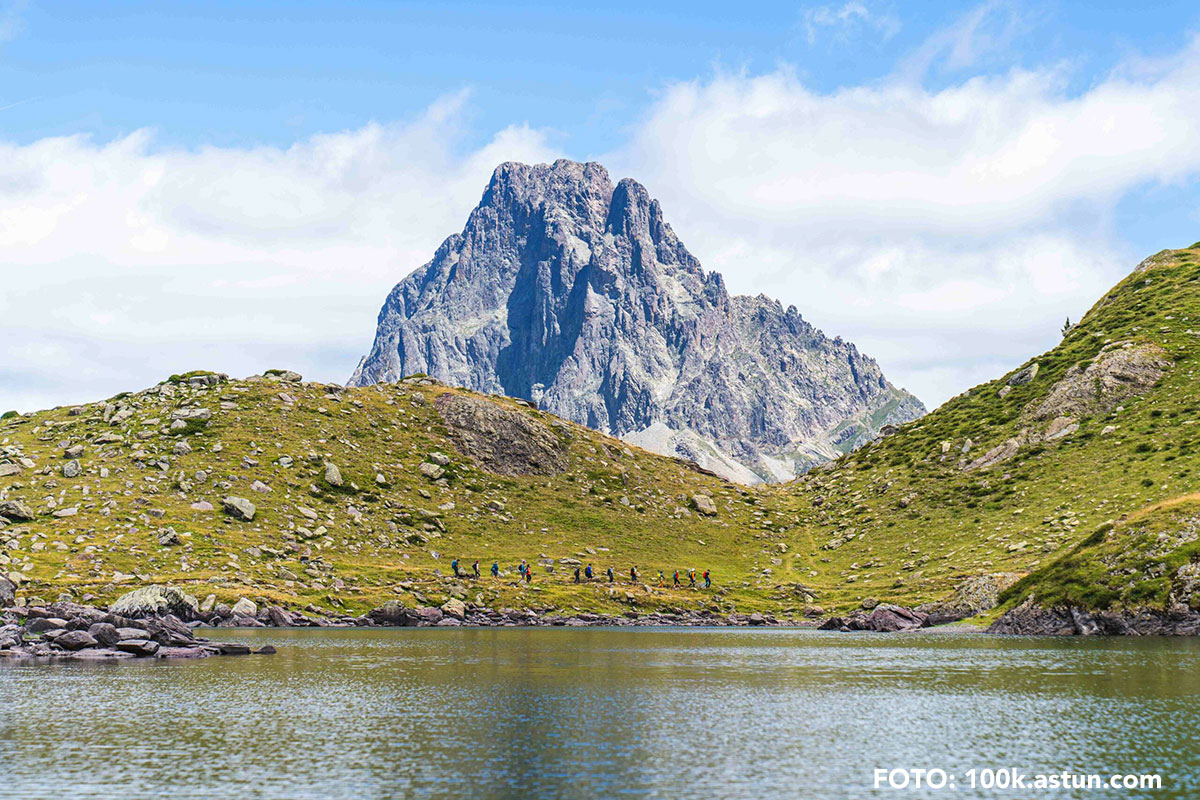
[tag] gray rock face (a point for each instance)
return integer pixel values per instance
(573, 293)
(500, 440)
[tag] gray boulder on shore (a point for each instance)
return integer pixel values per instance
(155, 600)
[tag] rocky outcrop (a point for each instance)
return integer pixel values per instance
(975, 595)
(1031, 619)
(1115, 375)
(881, 618)
(1118, 373)
(573, 293)
(69, 631)
(501, 440)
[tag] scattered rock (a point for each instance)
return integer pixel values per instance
(704, 504)
(333, 475)
(454, 608)
(16, 510)
(239, 508)
(430, 470)
(1024, 376)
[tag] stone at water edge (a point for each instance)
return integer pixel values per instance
(104, 633)
(75, 640)
(155, 600)
(138, 647)
(454, 608)
(245, 608)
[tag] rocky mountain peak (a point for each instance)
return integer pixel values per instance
(574, 293)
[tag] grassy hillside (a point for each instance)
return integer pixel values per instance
(983, 484)
(1009, 477)
(146, 504)
(1149, 560)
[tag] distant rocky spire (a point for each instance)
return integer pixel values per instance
(564, 289)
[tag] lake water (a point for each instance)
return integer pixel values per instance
(601, 713)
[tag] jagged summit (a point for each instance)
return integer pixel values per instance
(574, 293)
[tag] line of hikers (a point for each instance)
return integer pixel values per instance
(588, 574)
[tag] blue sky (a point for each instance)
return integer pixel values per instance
(127, 126)
(269, 73)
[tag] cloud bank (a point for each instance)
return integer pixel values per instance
(946, 232)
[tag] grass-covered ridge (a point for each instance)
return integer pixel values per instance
(129, 491)
(1010, 477)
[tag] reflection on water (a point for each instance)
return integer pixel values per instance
(593, 713)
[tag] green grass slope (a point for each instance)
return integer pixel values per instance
(136, 511)
(1151, 560)
(1010, 477)
(911, 516)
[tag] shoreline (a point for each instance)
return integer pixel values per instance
(67, 631)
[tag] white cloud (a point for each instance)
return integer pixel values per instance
(124, 262)
(837, 23)
(946, 232)
(937, 229)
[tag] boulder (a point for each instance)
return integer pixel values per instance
(888, 618)
(75, 640)
(704, 504)
(44, 624)
(424, 615)
(390, 613)
(155, 600)
(1024, 376)
(130, 633)
(104, 633)
(138, 647)
(245, 608)
(454, 608)
(71, 469)
(333, 475)
(8, 592)
(279, 617)
(239, 508)
(431, 470)
(16, 510)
